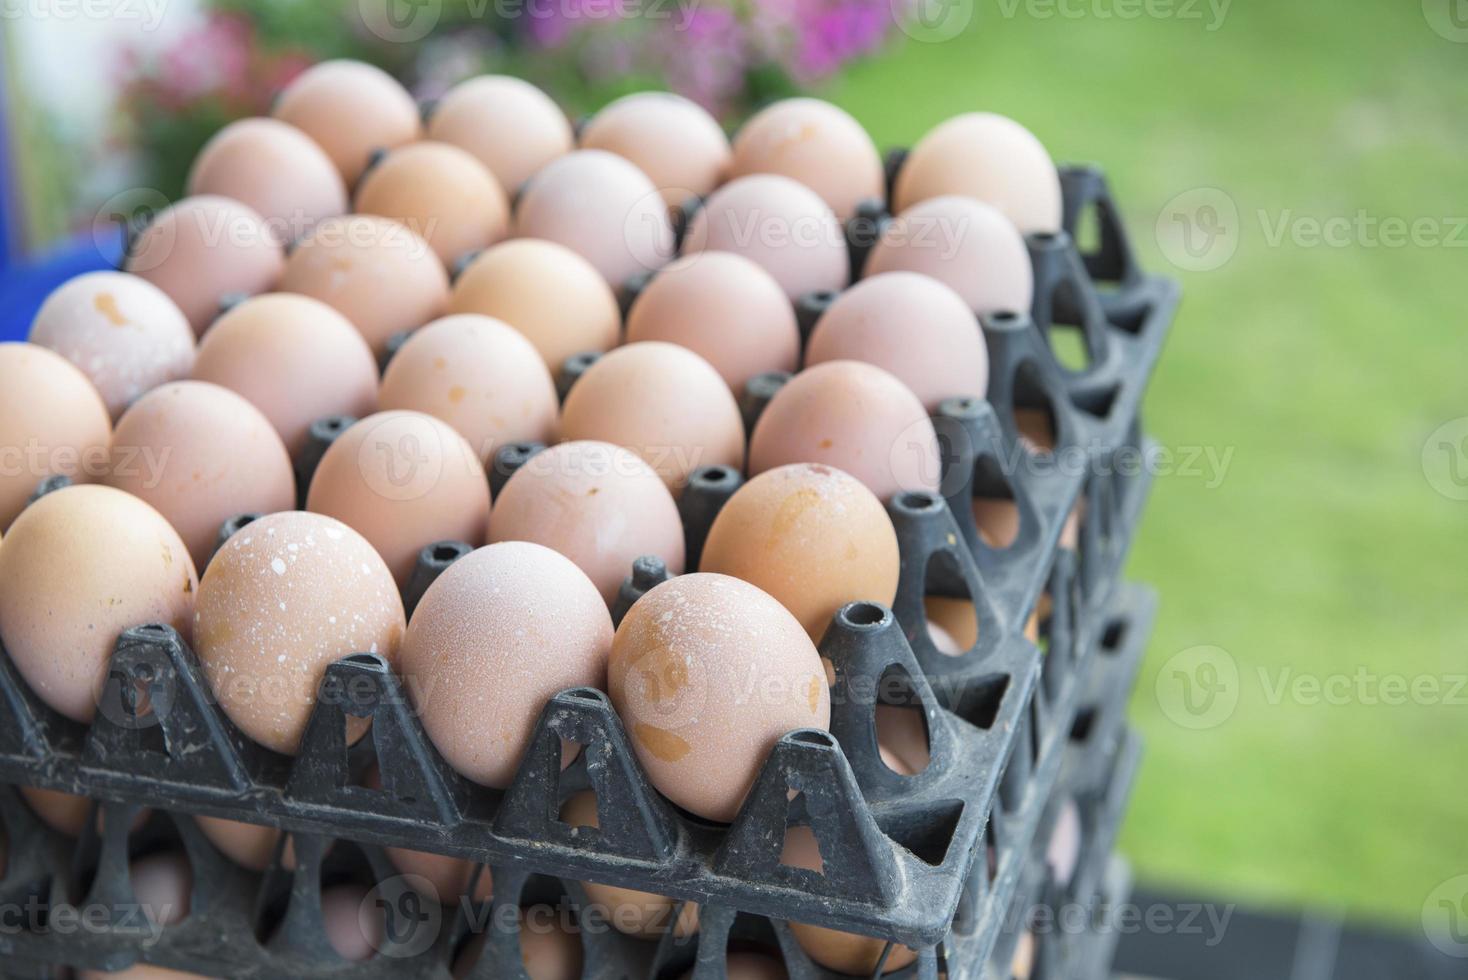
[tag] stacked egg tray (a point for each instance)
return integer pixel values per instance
(931, 861)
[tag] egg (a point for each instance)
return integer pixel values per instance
(812, 537)
(902, 739)
(511, 126)
(854, 417)
(548, 949)
(634, 913)
(511, 282)
(445, 879)
(353, 921)
(663, 402)
(988, 157)
(273, 168)
(123, 332)
(163, 886)
(379, 274)
(480, 376)
(403, 480)
(997, 520)
(140, 971)
(673, 140)
(782, 226)
(292, 357)
(750, 966)
(203, 250)
(499, 633)
(52, 422)
(724, 308)
(912, 326)
(1063, 851)
(200, 454)
(282, 600)
(441, 193)
(965, 244)
(79, 567)
(599, 505)
(704, 701)
(251, 846)
(67, 813)
(954, 619)
(1022, 963)
(350, 109)
(843, 952)
(817, 144)
(602, 208)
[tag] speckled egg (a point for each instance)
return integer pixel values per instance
(52, 422)
(379, 274)
(673, 140)
(707, 673)
(497, 635)
(350, 109)
(511, 282)
(782, 226)
(724, 308)
(80, 566)
(599, 505)
(440, 192)
(292, 357)
(511, 126)
(205, 249)
(479, 375)
(854, 417)
(403, 480)
(275, 169)
(817, 144)
(200, 454)
(284, 598)
(123, 332)
(965, 244)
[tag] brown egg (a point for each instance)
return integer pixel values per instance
(282, 600)
(705, 700)
(988, 157)
(403, 480)
(673, 140)
(273, 168)
(52, 422)
(812, 537)
(750, 966)
(956, 619)
(353, 921)
(379, 274)
(163, 887)
(854, 417)
(912, 326)
(780, 225)
(602, 208)
(440, 192)
(67, 813)
(1022, 963)
(480, 376)
(663, 402)
(350, 109)
(249, 845)
(964, 244)
(634, 913)
(510, 125)
(843, 952)
(445, 879)
(140, 971)
(204, 249)
(292, 357)
(79, 566)
(200, 454)
(902, 739)
(123, 332)
(997, 519)
(599, 505)
(511, 281)
(548, 949)
(725, 309)
(499, 633)
(817, 144)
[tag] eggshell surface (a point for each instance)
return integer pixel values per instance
(817, 144)
(78, 567)
(441, 193)
(274, 169)
(707, 673)
(673, 140)
(249, 845)
(509, 125)
(353, 921)
(751, 966)
(285, 598)
(350, 109)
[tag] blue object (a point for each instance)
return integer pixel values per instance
(25, 284)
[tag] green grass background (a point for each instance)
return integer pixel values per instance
(1323, 369)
